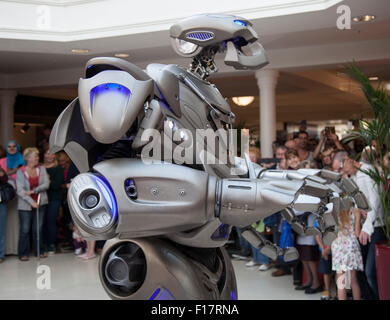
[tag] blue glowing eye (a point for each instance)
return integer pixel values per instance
(240, 22)
(109, 87)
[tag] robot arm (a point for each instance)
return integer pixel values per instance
(192, 207)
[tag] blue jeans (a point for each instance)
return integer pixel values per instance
(27, 217)
(3, 214)
(377, 236)
(258, 256)
(50, 222)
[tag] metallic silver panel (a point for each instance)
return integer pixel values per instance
(124, 65)
(103, 124)
(58, 134)
(240, 61)
(152, 119)
(167, 84)
(222, 26)
(78, 155)
(244, 201)
(200, 237)
(171, 198)
(306, 203)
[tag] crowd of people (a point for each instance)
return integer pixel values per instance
(349, 262)
(34, 184)
(39, 182)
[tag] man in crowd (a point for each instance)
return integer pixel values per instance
(372, 229)
(303, 153)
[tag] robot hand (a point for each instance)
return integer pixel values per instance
(291, 192)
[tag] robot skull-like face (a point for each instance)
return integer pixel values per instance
(226, 32)
(110, 101)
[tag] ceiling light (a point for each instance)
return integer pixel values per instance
(121, 55)
(80, 50)
(387, 86)
(243, 101)
(364, 18)
(25, 128)
(373, 78)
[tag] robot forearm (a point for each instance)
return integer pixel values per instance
(129, 198)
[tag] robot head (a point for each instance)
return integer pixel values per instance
(229, 33)
(111, 96)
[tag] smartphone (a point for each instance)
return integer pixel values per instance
(329, 130)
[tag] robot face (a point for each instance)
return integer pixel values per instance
(225, 32)
(110, 101)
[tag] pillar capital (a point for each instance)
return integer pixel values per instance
(266, 81)
(267, 77)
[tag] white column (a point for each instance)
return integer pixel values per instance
(7, 102)
(266, 81)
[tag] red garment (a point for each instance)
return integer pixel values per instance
(66, 174)
(34, 182)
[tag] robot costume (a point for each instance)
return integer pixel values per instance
(166, 223)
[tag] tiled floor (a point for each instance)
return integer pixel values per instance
(72, 278)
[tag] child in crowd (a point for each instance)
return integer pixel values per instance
(325, 266)
(346, 254)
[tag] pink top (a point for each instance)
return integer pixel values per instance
(3, 164)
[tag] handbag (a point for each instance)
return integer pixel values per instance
(7, 193)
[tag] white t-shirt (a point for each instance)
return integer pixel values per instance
(375, 216)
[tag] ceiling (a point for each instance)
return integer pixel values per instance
(307, 48)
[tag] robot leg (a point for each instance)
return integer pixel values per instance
(158, 269)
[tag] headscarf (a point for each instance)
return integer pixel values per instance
(14, 160)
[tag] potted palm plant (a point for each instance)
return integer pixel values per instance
(377, 132)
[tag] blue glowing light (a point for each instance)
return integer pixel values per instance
(223, 231)
(233, 295)
(166, 295)
(102, 88)
(90, 66)
(201, 36)
(105, 188)
(240, 22)
(154, 295)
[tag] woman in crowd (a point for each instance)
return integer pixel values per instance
(306, 245)
(10, 163)
(31, 180)
(13, 160)
(56, 175)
